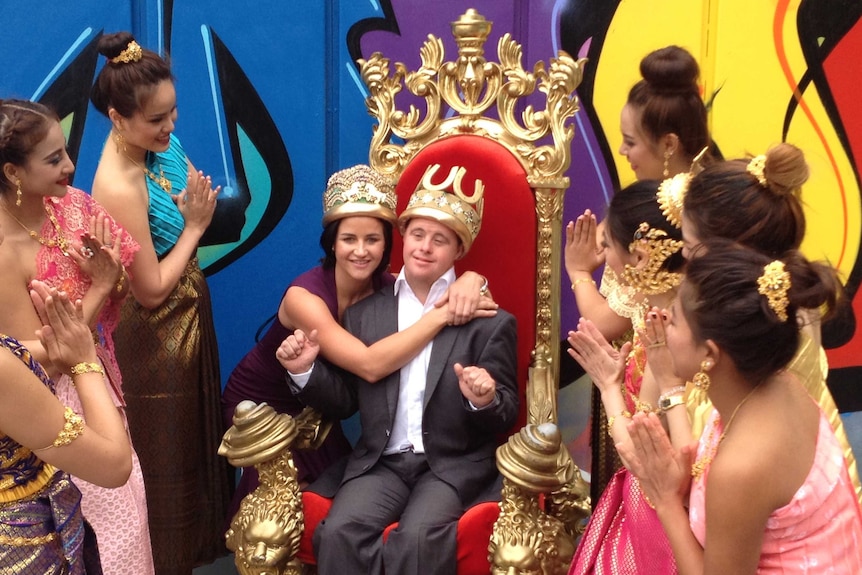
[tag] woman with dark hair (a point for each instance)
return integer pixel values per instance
(664, 120)
(359, 210)
(757, 203)
(665, 135)
(62, 237)
(769, 488)
(664, 130)
(643, 249)
(165, 343)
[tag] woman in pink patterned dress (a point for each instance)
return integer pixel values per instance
(769, 488)
(67, 240)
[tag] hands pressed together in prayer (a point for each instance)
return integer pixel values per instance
(663, 471)
(604, 364)
(64, 333)
(197, 202)
(582, 251)
(98, 254)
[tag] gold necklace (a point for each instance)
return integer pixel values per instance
(699, 466)
(61, 241)
(160, 180)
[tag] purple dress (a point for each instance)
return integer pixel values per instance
(259, 377)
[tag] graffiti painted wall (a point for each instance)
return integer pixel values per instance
(270, 103)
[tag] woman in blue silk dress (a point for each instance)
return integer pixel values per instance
(165, 343)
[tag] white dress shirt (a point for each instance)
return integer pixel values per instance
(407, 429)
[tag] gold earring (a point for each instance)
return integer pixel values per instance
(701, 378)
(18, 192)
(666, 172)
(119, 141)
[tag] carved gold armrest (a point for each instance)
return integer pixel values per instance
(265, 533)
(528, 536)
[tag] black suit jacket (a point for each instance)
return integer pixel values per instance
(460, 443)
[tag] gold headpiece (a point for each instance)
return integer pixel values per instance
(461, 213)
(671, 192)
(132, 53)
(359, 191)
(652, 280)
(773, 284)
(755, 168)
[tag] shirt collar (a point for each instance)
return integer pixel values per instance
(441, 285)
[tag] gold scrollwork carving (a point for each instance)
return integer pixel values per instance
(528, 539)
(471, 85)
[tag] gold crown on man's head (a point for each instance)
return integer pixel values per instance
(359, 191)
(461, 213)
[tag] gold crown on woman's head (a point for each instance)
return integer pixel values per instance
(459, 212)
(359, 191)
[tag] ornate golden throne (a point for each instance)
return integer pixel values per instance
(514, 128)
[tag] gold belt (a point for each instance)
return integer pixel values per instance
(27, 541)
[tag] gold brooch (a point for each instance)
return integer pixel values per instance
(773, 284)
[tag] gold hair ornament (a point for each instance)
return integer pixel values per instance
(671, 192)
(755, 167)
(773, 284)
(651, 279)
(132, 53)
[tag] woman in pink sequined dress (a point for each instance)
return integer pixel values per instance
(644, 250)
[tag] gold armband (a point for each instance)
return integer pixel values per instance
(72, 429)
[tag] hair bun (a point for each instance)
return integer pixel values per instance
(785, 169)
(110, 45)
(670, 70)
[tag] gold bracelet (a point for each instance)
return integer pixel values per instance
(483, 291)
(582, 281)
(87, 367)
(72, 429)
(612, 418)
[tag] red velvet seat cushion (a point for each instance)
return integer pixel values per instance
(474, 532)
